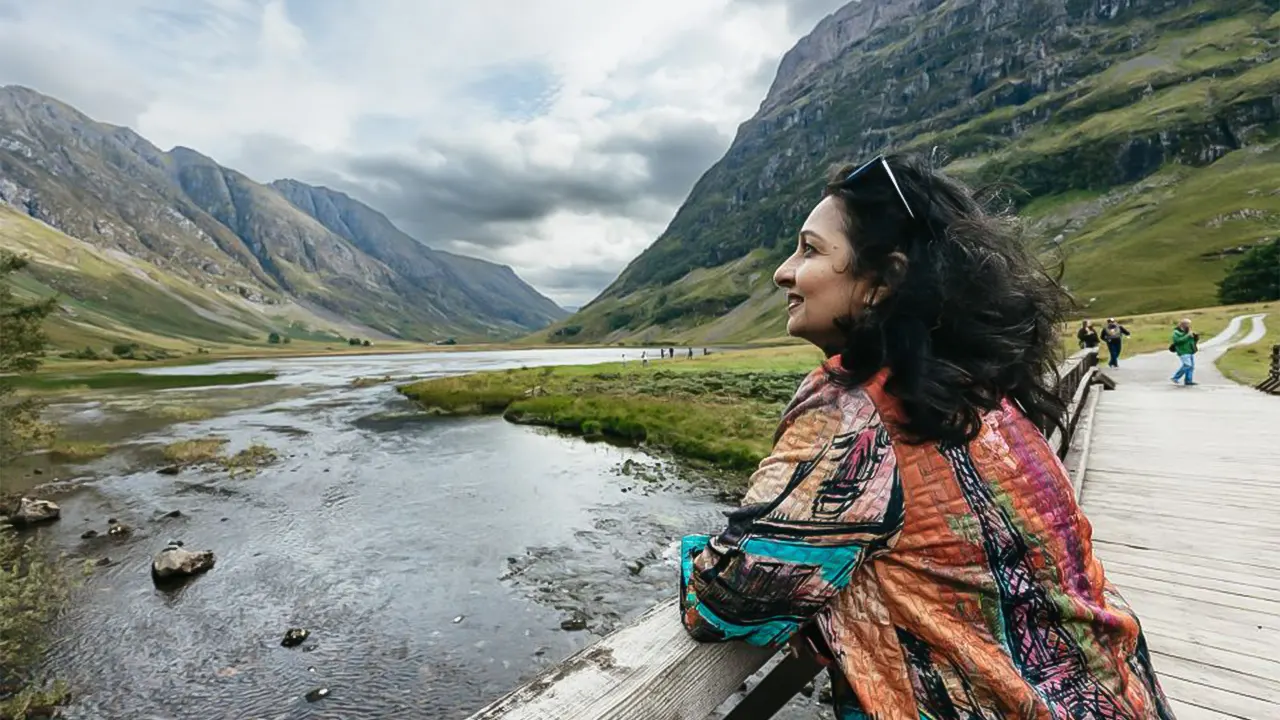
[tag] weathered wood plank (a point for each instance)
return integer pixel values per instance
(1186, 711)
(1183, 491)
(1177, 582)
(648, 669)
(1215, 698)
(1157, 564)
(1228, 598)
(1262, 668)
(1232, 681)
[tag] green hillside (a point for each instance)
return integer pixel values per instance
(1142, 147)
(109, 299)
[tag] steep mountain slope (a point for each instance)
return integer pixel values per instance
(238, 241)
(465, 286)
(110, 297)
(1115, 118)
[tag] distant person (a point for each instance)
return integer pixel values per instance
(644, 358)
(912, 527)
(1087, 335)
(662, 353)
(1113, 334)
(690, 353)
(1185, 344)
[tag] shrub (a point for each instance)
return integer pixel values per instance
(1256, 278)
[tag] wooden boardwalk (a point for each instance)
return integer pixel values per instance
(1182, 485)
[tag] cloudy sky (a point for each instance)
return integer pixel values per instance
(557, 136)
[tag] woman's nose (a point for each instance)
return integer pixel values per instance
(785, 275)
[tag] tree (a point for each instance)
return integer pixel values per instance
(22, 345)
(274, 338)
(1256, 278)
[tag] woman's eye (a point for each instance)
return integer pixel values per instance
(806, 248)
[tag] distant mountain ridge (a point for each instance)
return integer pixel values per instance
(253, 256)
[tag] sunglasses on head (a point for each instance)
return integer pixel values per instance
(880, 164)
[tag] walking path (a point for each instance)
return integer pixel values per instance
(1183, 489)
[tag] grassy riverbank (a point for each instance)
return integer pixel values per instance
(31, 592)
(63, 382)
(720, 409)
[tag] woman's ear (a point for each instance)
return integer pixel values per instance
(895, 268)
(895, 271)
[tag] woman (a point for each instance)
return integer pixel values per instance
(912, 525)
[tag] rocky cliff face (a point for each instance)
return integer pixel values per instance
(1058, 97)
(462, 285)
(213, 227)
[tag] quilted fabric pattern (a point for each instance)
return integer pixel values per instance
(946, 582)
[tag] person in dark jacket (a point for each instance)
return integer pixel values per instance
(1087, 335)
(1113, 335)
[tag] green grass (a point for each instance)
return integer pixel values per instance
(720, 409)
(131, 381)
(32, 590)
(77, 450)
(1156, 247)
(194, 451)
(1251, 364)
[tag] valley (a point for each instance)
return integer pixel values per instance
(176, 254)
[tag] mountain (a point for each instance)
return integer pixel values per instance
(466, 286)
(1141, 133)
(253, 258)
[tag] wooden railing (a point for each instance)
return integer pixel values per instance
(1075, 379)
(1272, 383)
(651, 669)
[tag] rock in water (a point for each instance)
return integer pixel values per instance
(575, 622)
(174, 563)
(295, 636)
(31, 511)
(319, 693)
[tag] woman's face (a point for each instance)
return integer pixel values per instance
(819, 278)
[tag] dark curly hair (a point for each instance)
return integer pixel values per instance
(968, 315)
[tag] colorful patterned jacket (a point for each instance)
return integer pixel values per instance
(949, 583)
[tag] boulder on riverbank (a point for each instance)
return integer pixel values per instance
(31, 511)
(175, 563)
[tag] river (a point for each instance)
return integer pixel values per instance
(433, 560)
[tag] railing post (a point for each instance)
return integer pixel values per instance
(1272, 383)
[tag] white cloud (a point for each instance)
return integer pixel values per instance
(558, 136)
